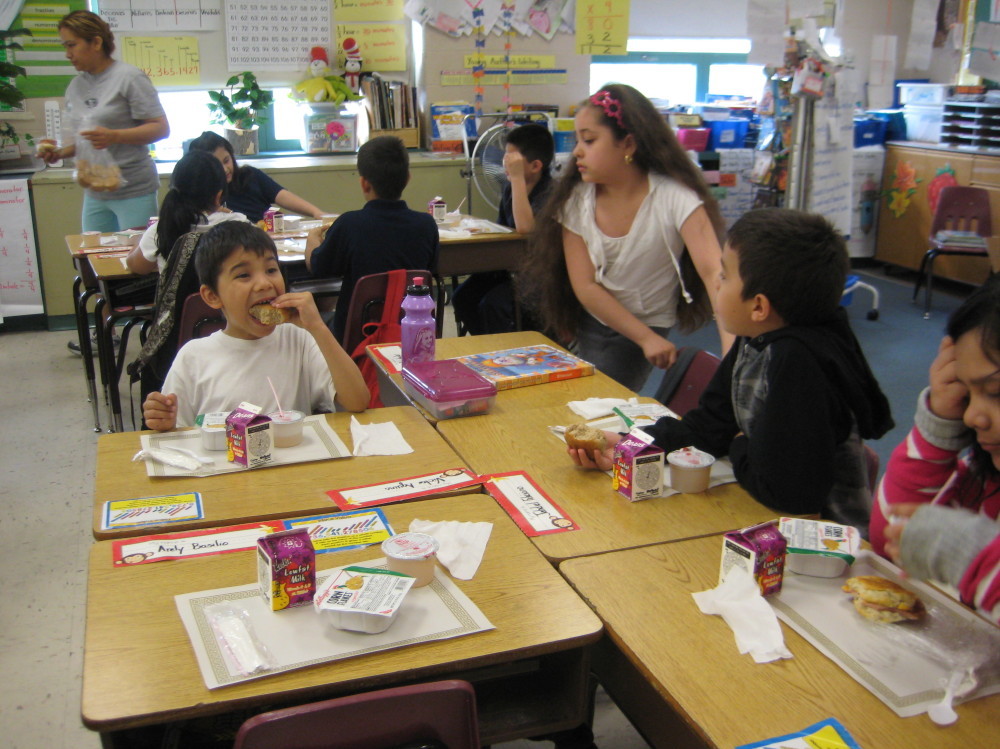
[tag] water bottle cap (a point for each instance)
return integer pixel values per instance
(417, 288)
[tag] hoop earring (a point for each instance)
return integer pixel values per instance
(628, 158)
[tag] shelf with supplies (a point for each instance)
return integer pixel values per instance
(971, 124)
(391, 105)
(409, 135)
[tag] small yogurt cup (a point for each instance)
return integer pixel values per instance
(412, 554)
(293, 223)
(91, 239)
(213, 430)
(286, 427)
(690, 470)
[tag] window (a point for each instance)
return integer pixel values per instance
(682, 71)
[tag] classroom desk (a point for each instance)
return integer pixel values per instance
(598, 385)
(677, 675)
(530, 673)
(519, 440)
(267, 493)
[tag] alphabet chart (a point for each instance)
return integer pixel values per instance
(275, 35)
(20, 291)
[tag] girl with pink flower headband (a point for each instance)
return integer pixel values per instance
(628, 244)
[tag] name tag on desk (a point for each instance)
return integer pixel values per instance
(531, 508)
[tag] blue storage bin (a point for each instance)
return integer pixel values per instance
(869, 132)
(728, 134)
(895, 122)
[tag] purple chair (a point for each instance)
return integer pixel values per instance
(440, 713)
(961, 226)
(198, 320)
(683, 383)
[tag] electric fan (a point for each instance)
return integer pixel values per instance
(484, 155)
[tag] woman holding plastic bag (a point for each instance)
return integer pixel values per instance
(115, 114)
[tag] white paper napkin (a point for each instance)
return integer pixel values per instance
(377, 439)
(462, 544)
(594, 408)
(739, 602)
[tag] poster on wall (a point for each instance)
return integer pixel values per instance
(161, 15)
(20, 290)
(833, 145)
(270, 36)
(43, 58)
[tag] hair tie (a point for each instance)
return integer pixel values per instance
(611, 106)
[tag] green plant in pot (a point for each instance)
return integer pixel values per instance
(240, 106)
(11, 95)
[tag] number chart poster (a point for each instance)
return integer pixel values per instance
(167, 60)
(264, 35)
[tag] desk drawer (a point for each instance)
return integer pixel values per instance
(986, 170)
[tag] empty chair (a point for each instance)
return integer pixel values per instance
(684, 382)
(441, 713)
(961, 226)
(852, 284)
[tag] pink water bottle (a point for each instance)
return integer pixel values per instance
(418, 323)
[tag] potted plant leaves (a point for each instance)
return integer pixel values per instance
(240, 106)
(11, 95)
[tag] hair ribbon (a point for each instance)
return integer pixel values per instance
(611, 106)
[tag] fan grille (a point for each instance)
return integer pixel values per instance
(487, 164)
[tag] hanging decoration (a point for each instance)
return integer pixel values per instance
(506, 16)
(479, 68)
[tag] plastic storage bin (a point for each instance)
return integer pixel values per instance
(895, 123)
(924, 93)
(869, 132)
(728, 133)
(923, 124)
(694, 138)
(448, 389)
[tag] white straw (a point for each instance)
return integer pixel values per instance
(280, 409)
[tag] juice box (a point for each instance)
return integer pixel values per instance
(286, 568)
(759, 549)
(248, 436)
(637, 472)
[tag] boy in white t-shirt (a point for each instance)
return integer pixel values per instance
(238, 268)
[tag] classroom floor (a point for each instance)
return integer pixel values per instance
(46, 485)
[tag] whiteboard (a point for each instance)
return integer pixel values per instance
(20, 289)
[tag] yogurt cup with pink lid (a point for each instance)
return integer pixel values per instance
(690, 470)
(412, 554)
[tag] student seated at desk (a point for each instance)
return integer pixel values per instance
(794, 396)
(385, 235)
(484, 302)
(251, 191)
(237, 264)
(937, 511)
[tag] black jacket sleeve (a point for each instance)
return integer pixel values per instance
(327, 260)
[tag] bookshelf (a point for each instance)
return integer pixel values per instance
(392, 109)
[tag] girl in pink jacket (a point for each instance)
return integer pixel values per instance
(936, 509)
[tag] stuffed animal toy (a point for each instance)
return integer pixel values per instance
(317, 87)
(352, 64)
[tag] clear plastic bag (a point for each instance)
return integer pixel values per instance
(95, 168)
(244, 653)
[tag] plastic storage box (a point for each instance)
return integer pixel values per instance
(923, 124)
(694, 138)
(728, 133)
(924, 93)
(869, 132)
(448, 389)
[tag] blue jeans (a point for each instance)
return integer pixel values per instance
(612, 353)
(115, 215)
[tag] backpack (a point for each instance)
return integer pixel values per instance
(386, 330)
(172, 288)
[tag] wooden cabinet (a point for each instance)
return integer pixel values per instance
(912, 174)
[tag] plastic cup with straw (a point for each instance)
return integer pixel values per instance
(287, 425)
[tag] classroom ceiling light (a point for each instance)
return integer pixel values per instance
(660, 44)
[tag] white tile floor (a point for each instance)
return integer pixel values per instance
(48, 445)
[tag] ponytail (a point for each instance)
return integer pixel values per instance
(195, 184)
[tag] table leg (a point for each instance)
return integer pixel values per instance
(103, 332)
(81, 296)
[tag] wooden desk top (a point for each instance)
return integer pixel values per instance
(644, 598)
(520, 440)
(110, 265)
(139, 667)
(598, 385)
(266, 493)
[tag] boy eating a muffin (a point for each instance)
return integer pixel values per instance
(794, 397)
(237, 266)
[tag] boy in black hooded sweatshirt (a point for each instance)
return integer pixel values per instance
(794, 396)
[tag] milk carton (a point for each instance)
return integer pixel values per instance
(248, 436)
(637, 472)
(286, 568)
(760, 550)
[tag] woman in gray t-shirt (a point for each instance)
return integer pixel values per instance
(114, 106)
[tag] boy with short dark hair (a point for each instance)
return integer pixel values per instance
(484, 303)
(385, 235)
(237, 265)
(794, 396)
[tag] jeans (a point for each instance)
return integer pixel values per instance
(612, 353)
(115, 215)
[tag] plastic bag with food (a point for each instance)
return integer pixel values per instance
(95, 168)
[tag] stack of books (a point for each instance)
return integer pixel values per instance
(961, 239)
(392, 105)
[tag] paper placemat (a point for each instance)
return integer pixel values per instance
(902, 664)
(300, 637)
(319, 442)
